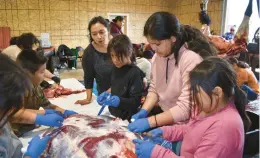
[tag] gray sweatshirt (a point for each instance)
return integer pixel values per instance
(10, 145)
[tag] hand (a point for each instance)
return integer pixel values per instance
(143, 149)
(102, 97)
(45, 84)
(141, 114)
(56, 79)
(139, 125)
(36, 146)
(54, 120)
(112, 101)
(156, 132)
(67, 113)
(83, 102)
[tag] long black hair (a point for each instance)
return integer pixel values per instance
(240, 64)
(118, 18)
(123, 47)
(204, 18)
(164, 25)
(98, 19)
(213, 72)
(13, 84)
(26, 40)
(31, 60)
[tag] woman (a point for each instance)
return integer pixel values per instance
(174, 58)
(96, 61)
(14, 83)
(116, 26)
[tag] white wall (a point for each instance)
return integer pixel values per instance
(235, 13)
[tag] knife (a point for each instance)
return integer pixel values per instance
(101, 110)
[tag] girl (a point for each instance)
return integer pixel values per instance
(126, 80)
(218, 123)
(95, 61)
(14, 83)
(178, 49)
(246, 79)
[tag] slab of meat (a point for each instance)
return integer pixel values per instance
(56, 91)
(94, 137)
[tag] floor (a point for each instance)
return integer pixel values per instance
(72, 73)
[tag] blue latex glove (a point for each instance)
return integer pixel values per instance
(67, 113)
(143, 149)
(139, 125)
(50, 111)
(111, 101)
(54, 120)
(37, 146)
(102, 97)
(157, 132)
(141, 114)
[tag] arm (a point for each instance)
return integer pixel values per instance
(48, 74)
(89, 72)
(160, 151)
(211, 150)
(174, 133)
(209, 145)
(24, 116)
(55, 107)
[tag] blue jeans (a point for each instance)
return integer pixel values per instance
(95, 88)
(251, 95)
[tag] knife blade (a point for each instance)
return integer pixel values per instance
(101, 110)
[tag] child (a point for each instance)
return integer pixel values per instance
(246, 79)
(218, 121)
(14, 83)
(126, 80)
(35, 65)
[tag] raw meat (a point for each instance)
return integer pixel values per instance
(58, 90)
(95, 137)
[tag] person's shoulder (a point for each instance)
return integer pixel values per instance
(136, 71)
(187, 56)
(226, 127)
(230, 120)
(90, 48)
(13, 48)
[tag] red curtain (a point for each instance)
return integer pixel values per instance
(5, 36)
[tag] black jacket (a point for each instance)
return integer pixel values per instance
(127, 84)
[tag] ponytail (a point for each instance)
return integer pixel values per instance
(241, 101)
(196, 42)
